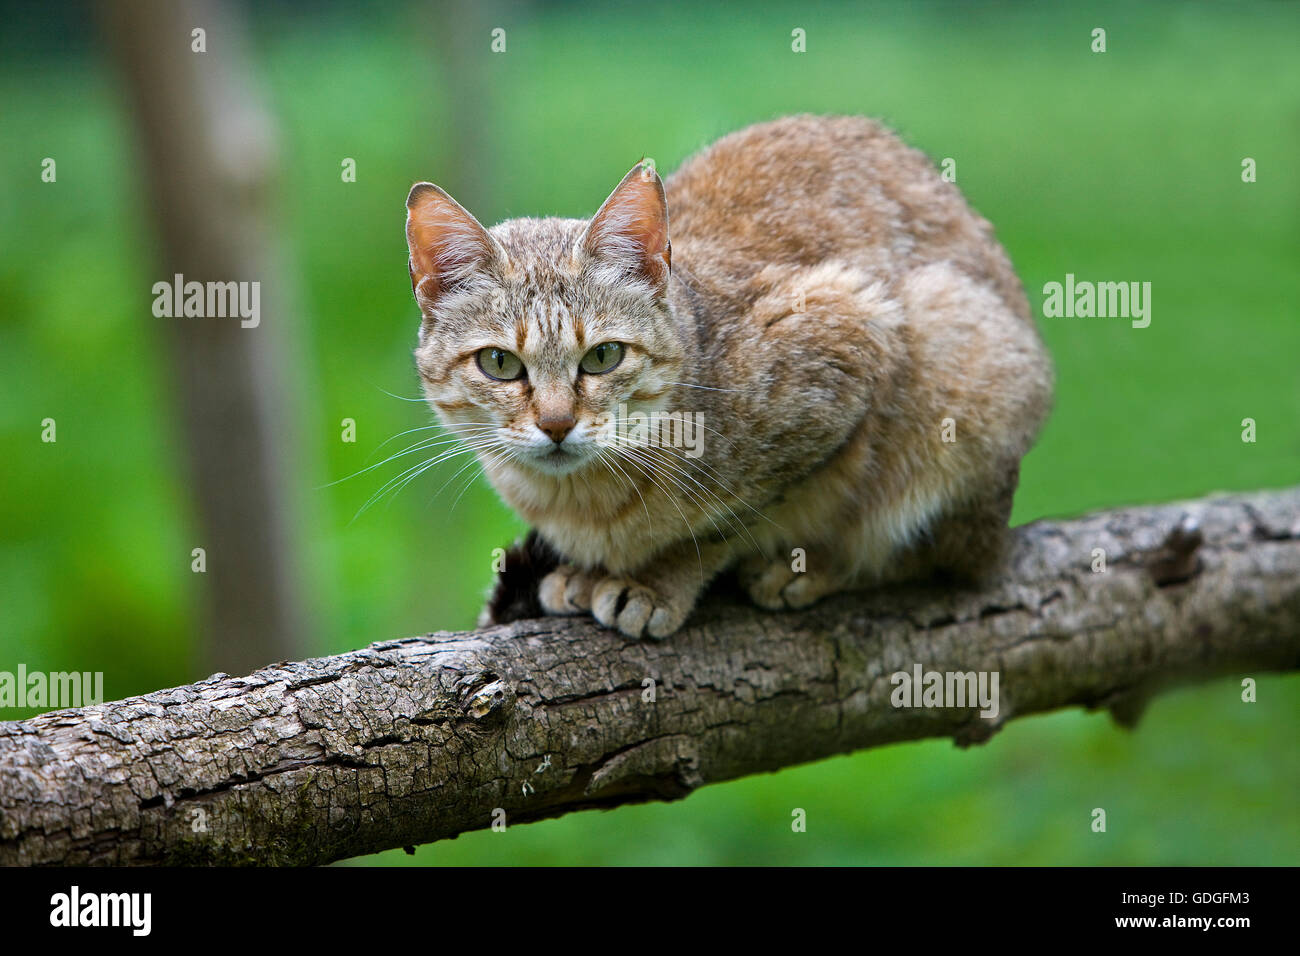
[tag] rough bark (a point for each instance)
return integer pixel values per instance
(415, 740)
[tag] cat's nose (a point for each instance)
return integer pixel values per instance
(557, 425)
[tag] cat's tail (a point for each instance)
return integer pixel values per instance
(514, 593)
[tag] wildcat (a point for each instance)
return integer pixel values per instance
(848, 334)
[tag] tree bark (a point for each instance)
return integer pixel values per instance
(420, 739)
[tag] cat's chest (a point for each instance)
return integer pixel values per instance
(617, 546)
(590, 520)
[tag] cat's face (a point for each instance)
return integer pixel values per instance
(538, 336)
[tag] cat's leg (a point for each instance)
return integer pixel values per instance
(826, 332)
(567, 589)
(969, 543)
(656, 601)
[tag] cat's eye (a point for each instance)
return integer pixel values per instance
(603, 358)
(500, 364)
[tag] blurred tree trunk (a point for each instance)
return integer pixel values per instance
(206, 151)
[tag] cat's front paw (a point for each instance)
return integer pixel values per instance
(637, 610)
(567, 590)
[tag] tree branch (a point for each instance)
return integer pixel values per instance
(420, 739)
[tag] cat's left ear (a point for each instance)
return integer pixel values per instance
(630, 231)
(447, 244)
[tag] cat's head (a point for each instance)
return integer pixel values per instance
(536, 332)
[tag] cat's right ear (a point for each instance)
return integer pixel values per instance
(630, 230)
(446, 243)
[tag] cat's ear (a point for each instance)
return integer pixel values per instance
(447, 244)
(630, 231)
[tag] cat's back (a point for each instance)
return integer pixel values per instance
(805, 189)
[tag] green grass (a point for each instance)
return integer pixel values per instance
(1117, 166)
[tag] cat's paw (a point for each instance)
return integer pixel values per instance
(809, 587)
(567, 590)
(637, 610)
(777, 586)
(765, 582)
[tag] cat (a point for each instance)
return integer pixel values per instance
(847, 333)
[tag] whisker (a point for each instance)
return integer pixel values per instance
(400, 398)
(712, 388)
(406, 477)
(671, 470)
(645, 463)
(423, 445)
(486, 450)
(712, 474)
(668, 494)
(500, 456)
(600, 456)
(422, 428)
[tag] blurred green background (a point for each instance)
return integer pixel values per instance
(1117, 166)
